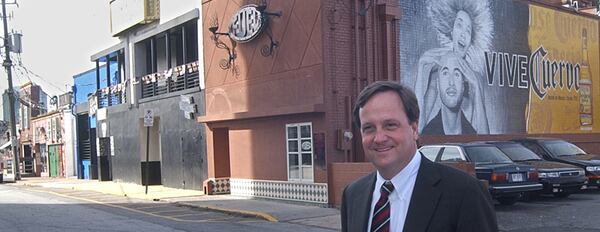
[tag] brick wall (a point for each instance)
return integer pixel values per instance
(342, 174)
(359, 46)
(339, 59)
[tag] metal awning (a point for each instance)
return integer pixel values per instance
(106, 52)
(5, 145)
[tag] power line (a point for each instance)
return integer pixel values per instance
(29, 72)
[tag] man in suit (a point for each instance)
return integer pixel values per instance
(407, 192)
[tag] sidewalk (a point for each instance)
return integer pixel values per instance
(271, 210)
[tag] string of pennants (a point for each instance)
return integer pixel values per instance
(118, 88)
(177, 71)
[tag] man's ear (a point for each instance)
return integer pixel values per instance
(415, 129)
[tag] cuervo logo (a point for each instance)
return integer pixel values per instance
(246, 24)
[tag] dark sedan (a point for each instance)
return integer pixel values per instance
(565, 152)
(559, 179)
(507, 180)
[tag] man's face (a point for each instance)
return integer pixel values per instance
(389, 140)
(450, 82)
(461, 33)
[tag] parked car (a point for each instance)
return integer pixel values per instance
(565, 152)
(507, 180)
(559, 179)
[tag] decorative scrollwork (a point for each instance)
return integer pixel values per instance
(229, 63)
(268, 49)
(224, 63)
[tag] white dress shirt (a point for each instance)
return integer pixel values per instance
(404, 183)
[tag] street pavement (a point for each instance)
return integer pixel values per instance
(575, 213)
(270, 210)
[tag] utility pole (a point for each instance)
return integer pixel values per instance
(11, 95)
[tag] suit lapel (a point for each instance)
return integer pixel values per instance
(363, 203)
(424, 199)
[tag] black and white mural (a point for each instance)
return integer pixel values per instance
(443, 46)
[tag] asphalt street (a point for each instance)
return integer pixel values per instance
(43, 209)
(31, 208)
(578, 212)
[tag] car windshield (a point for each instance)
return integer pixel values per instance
(562, 148)
(518, 152)
(486, 154)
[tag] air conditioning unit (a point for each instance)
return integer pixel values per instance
(65, 100)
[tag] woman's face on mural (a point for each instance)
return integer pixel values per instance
(450, 81)
(461, 33)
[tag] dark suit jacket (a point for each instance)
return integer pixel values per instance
(443, 199)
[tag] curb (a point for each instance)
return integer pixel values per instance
(265, 216)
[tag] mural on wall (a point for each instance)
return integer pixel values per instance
(496, 67)
(565, 60)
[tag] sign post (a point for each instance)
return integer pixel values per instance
(148, 122)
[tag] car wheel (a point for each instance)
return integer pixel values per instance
(508, 200)
(562, 195)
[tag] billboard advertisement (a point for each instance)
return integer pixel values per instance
(500, 67)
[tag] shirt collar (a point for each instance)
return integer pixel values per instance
(402, 177)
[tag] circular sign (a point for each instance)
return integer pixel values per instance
(306, 146)
(246, 24)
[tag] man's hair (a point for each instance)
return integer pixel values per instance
(443, 14)
(407, 96)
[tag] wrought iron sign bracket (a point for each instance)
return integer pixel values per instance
(267, 50)
(230, 61)
(245, 26)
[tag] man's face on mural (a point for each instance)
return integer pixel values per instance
(461, 33)
(450, 81)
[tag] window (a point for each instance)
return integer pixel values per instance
(517, 152)
(43, 157)
(430, 152)
(562, 148)
(535, 148)
(25, 120)
(486, 154)
(52, 134)
(168, 62)
(451, 154)
(299, 151)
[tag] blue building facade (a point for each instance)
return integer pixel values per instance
(86, 85)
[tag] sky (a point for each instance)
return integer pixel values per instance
(59, 36)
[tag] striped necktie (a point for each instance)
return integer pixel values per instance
(381, 213)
